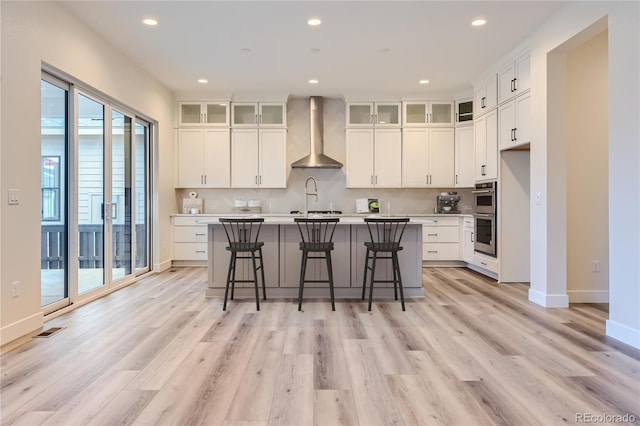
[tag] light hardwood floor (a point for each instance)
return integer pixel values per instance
(472, 352)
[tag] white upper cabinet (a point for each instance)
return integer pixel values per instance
(374, 158)
(203, 158)
(486, 96)
(427, 113)
(514, 120)
(373, 114)
(259, 114)
(486, 146)
(428, 158)
(215, 114)
(514, 78)
(464, 157)
(258, 158)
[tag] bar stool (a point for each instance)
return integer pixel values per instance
(242, 234)
(317, 235)
(385, 235)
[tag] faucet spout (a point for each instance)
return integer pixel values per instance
(307, 194)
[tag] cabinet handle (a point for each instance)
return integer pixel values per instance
(200, 251)
(256, 179)
(472, 237)
(256, 119)
(260, 118)
(515, 88)
(483, 102)
(200, 235)
(457, 118)
(376, 179)
(432, 251)
(456, 179)
(205, 179)
(432, 235)
(260, 180)
(483, 263)
(515, 138)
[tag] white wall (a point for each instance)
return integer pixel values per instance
(588, 171)
(34, 33)
(548, 174)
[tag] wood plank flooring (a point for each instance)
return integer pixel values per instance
(473, 352)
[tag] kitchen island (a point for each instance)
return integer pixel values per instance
(282, 259)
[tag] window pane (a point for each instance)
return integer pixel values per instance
(53, 249)
(90, 194)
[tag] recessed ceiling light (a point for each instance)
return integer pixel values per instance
(384, 50)
(150, 21)
(313, 81)
(424, 82)
(245, 50)
(314, 50)
(478, 22)
(314, 22)
(203, 81)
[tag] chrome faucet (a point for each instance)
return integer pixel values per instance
(307, 194)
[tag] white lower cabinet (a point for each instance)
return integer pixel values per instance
(468, 230)
(486, 262)
(189, 240)
(441, 240)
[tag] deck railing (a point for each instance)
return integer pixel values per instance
(91, 246)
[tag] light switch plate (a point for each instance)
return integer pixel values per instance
(14, 197)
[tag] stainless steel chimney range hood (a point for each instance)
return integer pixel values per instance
(316, 158)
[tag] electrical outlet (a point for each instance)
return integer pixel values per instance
(595, 266)
(15, 289)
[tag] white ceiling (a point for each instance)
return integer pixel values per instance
(425, 40)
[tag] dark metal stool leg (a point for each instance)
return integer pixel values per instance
(234, 258)
(264, 287)
(330, 272)
(255, 279)
(303, 271)
(364, 278)
(396, 266)
(226, 287)
(373, 274)
(395, 276)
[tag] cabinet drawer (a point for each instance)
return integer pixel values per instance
(486, 262)
(190, 234)
(190, 251)
(440, 234)
(442, 221)
(188, 220)
(467, 222)
(440, 251)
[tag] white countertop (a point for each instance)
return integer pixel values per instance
(288, 219)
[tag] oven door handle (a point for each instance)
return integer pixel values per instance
(483, 191)
(484, 215)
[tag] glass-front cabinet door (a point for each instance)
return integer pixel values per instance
(272, 115)
(253, 114)
(203, 113)
(387, 114)
(379, 114)
(432, 114)
(441, 113)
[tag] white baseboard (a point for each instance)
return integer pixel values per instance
(162, 266)
(624, 333)
(588, 296)
(549, 300)
(21, 328)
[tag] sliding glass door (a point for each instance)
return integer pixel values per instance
(96, 192)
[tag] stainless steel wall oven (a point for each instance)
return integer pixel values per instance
(485, 212)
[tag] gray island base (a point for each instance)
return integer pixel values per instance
(282, 259)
